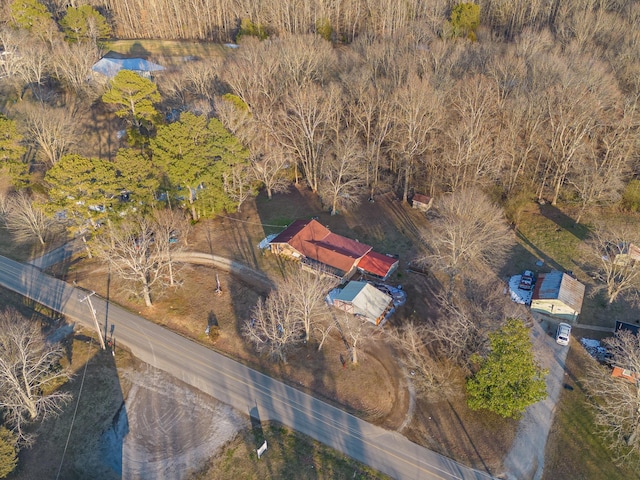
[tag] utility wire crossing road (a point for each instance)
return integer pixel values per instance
(237, 385)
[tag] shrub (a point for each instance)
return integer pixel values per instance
(631, 196)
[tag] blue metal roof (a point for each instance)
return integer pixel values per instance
(111, 66)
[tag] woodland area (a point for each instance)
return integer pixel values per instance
(542, 105)
(485, 107)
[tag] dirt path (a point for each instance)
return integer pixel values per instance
(526, 458)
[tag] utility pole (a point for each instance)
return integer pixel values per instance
(95, 319)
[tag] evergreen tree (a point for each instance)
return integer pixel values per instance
(509, 379)
(85, 23)
(12, 152)
(82, 188)
(195, 154)
(465, 20)
(134, 96)
(33, 16)
(136, 175)
(29, 14)
(8, 452)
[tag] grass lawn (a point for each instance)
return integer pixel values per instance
(290, 455)
(547, 233)
(550, 234)
(574, 448)
(166, 48)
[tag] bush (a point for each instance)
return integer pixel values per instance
(248, 28)
(631, 196)
(465, 19)
(324, 29)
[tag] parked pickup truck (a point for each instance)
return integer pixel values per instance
(527, 280)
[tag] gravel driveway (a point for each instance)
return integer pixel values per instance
(166, 430)
(526, 458)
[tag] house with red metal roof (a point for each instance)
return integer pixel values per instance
(320, 249)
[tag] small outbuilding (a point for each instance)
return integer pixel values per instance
(558, 295)
(363, 300)
(628, 255)
(421, 202)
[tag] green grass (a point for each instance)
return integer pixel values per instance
(290, 456)
(575, 449)
(547, 233)
(167, 48)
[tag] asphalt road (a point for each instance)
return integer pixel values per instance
(237, 385)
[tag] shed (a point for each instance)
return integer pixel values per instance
(559, 295)
(628, 254)
(364, 300)
(109, 67)
(421, 202)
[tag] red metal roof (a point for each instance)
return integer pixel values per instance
(377, 263)
(418, 197)
(313, 240)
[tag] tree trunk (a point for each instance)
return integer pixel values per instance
(86, 246)
(146, 294)
(405, 194)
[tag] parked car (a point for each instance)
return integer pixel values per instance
(563, 333)
(527, 280)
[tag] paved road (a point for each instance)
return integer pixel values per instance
(237, 385)
(58, 255)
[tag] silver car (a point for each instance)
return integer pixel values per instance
(563, 334)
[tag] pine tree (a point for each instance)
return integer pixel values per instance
(11, 153)
(85, 23)
(134, 96)
(8, 452)
(509, 379)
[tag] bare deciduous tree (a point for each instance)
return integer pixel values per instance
(324, 328)
(432, 376)
(72, 64)
(270, 171)
(29, 373)
(469, 229)
(274, 328)
(239, 184)
(357, 332)
(416, 116)
(34, 65)
(610, 257)
(25, 219)
(344, 173)
(290, 313)
(129, 249)
(304, 130)
(170, 228)
(617, 400)
(307, 293)
(52, 130)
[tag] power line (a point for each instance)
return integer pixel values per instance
(252, 223)
(75, 411)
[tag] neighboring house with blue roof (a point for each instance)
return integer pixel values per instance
(109, 67)
(559, 295)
